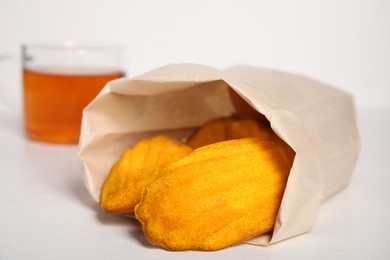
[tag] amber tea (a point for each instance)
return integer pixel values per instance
(53, 102)
(59, 81)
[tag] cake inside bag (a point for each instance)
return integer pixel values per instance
(221, 186)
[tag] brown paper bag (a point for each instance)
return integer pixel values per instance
(315, 119)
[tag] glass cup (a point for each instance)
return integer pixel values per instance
(59, 80)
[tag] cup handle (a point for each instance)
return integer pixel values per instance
(10, 92)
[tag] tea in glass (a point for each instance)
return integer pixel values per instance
(59, 82)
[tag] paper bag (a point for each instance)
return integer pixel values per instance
(315, 119)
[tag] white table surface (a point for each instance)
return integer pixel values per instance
(46, 213)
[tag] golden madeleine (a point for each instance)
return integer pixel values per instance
(229, 128)
(217, 196)
(212, 131)
(136, 169)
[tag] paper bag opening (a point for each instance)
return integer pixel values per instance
(316, 120)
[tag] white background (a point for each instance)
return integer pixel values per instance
(46, 212)
(343, 42)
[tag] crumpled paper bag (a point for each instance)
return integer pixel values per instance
(315, 119)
